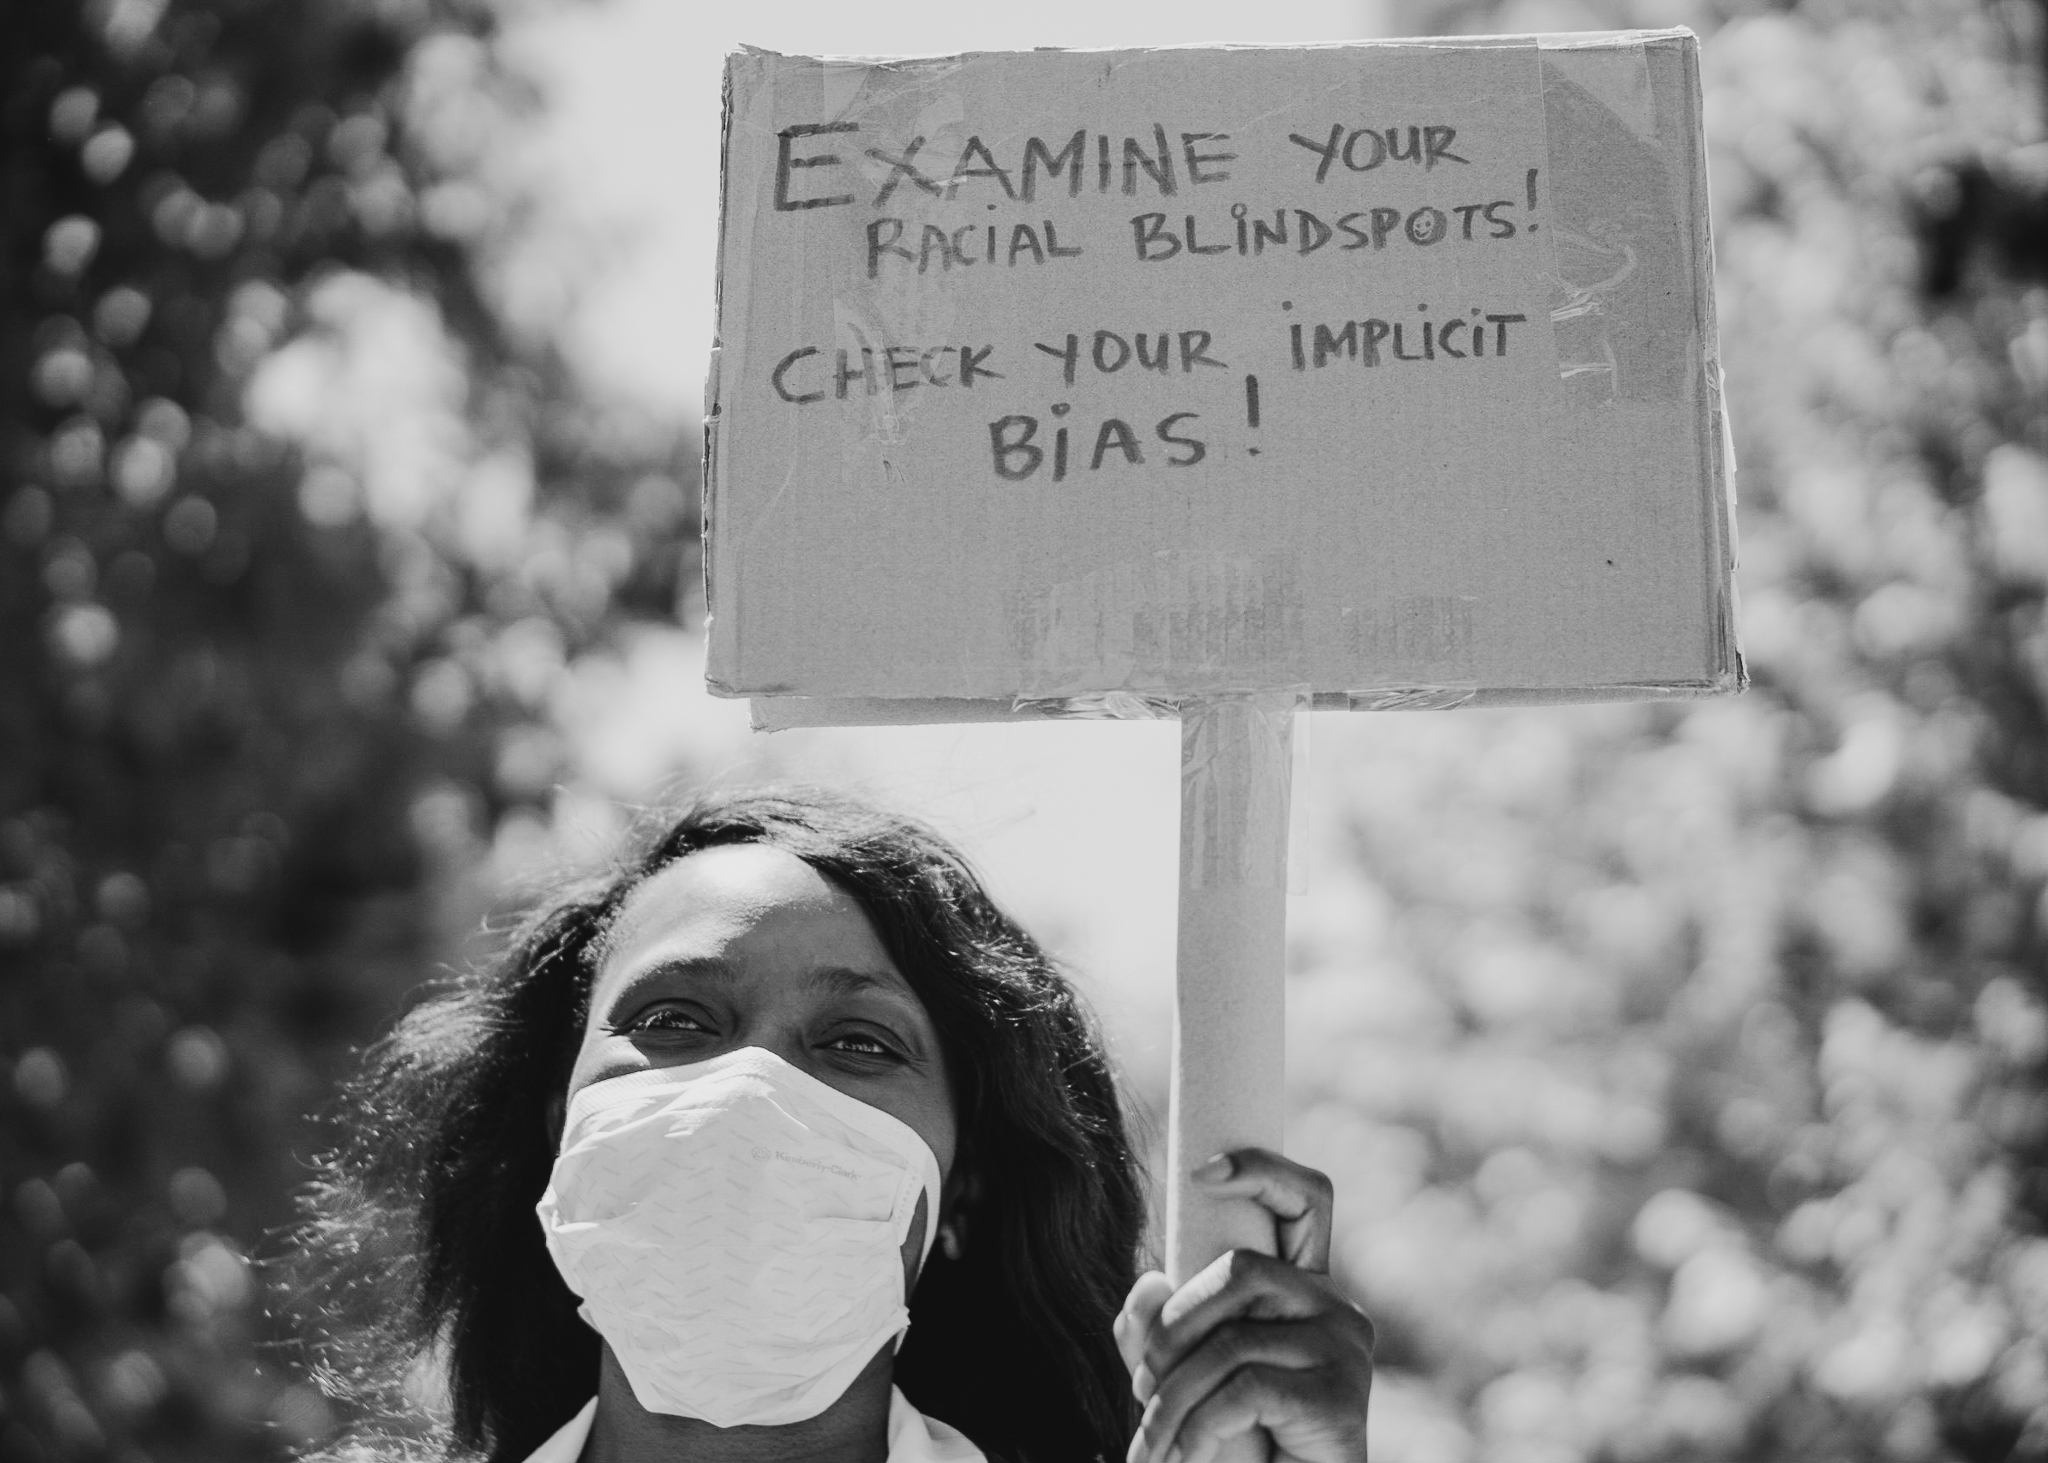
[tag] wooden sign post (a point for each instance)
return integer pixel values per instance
(1230, 1001)
(1214, 383)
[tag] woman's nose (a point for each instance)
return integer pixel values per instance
(780, 1039)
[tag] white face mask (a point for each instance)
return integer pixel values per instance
(735, 1230)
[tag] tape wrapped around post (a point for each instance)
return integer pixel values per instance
(1229, 1009)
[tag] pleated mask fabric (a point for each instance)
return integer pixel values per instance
(734, 1229)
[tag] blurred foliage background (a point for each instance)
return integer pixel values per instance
(269, 667)
(1683, 1070)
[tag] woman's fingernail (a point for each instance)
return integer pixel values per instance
(1142, 1385)
(1219, 1167)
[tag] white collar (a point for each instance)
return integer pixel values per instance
(913, 1437)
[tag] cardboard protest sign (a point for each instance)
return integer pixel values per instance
(1384, 370)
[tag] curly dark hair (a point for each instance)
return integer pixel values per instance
(418, 1244)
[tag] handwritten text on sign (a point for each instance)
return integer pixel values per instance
(1166, 197)
(1145, 167)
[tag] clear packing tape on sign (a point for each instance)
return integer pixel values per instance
(1239, 822)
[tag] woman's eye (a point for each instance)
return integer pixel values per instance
(664, 1018)
(860, 1044)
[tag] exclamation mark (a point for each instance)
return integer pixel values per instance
(1531, 184)
(1251, 405)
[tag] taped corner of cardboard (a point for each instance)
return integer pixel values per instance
(715, 680)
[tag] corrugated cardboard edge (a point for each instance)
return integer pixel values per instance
(1726, 649)
(786, 713)
(707, 501)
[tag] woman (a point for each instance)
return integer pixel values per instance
(658, 1184)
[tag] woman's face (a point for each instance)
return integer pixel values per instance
(746, 945)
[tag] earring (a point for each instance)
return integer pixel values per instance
(949, 1241)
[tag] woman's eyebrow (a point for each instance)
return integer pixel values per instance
(847, 981)
(696, 967)
(835, 979)
(841, 980)
(695, 970)
(844, 981)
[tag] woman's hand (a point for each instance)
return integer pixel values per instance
(1252, 1341)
